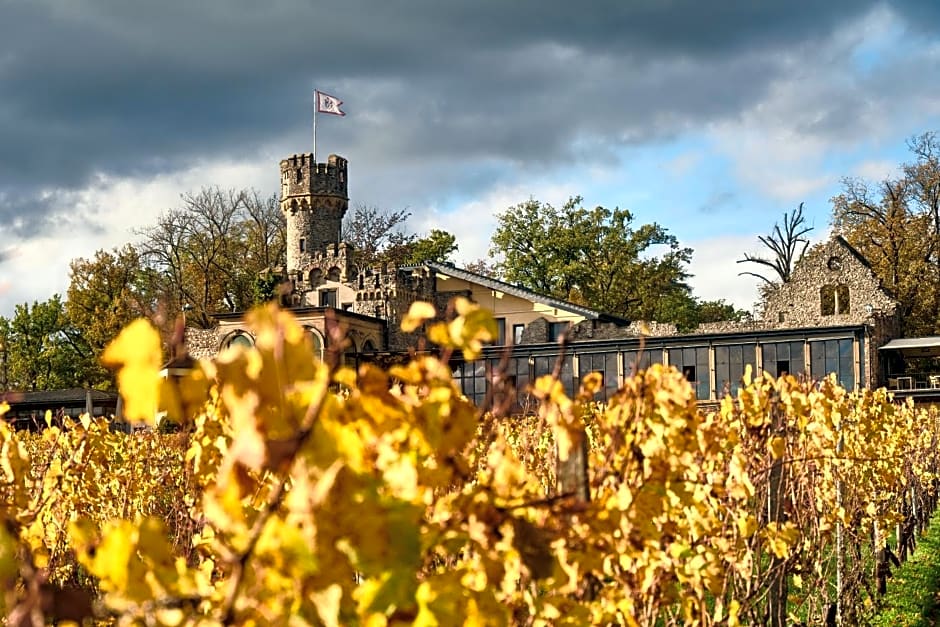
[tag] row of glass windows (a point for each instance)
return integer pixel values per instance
(711, 380)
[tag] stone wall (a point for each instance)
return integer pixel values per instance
(835, 264)
(333, 259)
(732, 326)
(387, 292)
(203, 343)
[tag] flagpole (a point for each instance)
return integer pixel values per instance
(315, 128)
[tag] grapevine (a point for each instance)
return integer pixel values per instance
(295, 491)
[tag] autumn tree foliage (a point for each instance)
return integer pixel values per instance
(208, 254)
(895, 224)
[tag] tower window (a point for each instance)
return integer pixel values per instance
(300, 175)
(303, 245)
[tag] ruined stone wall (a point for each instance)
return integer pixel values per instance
(833, 263)
(536, 332)
(203, 343)
(732, 326)
(386, 292)
(333, 262)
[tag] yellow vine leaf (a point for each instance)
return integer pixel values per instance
(136, 355)
(418, 313)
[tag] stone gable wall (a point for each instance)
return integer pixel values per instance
(798, 302)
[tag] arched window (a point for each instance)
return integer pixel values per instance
(316, 277)
(238, 338)
(316, 341)
(368, 347)
(333, 274)
(834, 299)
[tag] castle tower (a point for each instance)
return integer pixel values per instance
(314, 200)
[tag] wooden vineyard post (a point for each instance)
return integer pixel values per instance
(572, 473)
(777, 591)
(571, 478)
(840, 539)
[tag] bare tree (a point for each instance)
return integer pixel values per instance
(207, 253)
(377, 235)
(787, 245)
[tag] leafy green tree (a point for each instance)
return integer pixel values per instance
(592, 256)
(688, 312)
(43, 350)
(437, 245)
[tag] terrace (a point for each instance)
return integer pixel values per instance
(911, 367)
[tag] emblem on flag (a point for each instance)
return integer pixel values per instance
(328, 104)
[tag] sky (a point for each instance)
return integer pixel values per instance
(710, 118)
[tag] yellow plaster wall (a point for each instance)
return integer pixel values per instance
(514, 309)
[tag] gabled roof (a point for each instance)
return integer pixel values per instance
(521, 292)
(853, 251)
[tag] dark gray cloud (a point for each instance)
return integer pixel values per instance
(111, 87)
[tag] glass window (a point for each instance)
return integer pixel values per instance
(517, 331)
(634, 361)
(782, 358)
(500, 331)
(328, 298)
(556, 329)
(838, 356)
(604, 363)
(730, 362)
(317, 342)
(240, 339)
(471, 377)
(545, 364)
(693, 363)
(834, 299)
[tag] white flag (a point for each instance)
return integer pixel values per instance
(328, 104)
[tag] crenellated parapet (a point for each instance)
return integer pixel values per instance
(300, 176)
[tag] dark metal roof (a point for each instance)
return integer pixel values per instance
(521, 292)
(755, 336)
(59, 398)
(912, 343)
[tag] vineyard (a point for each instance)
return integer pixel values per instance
(295, 491)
